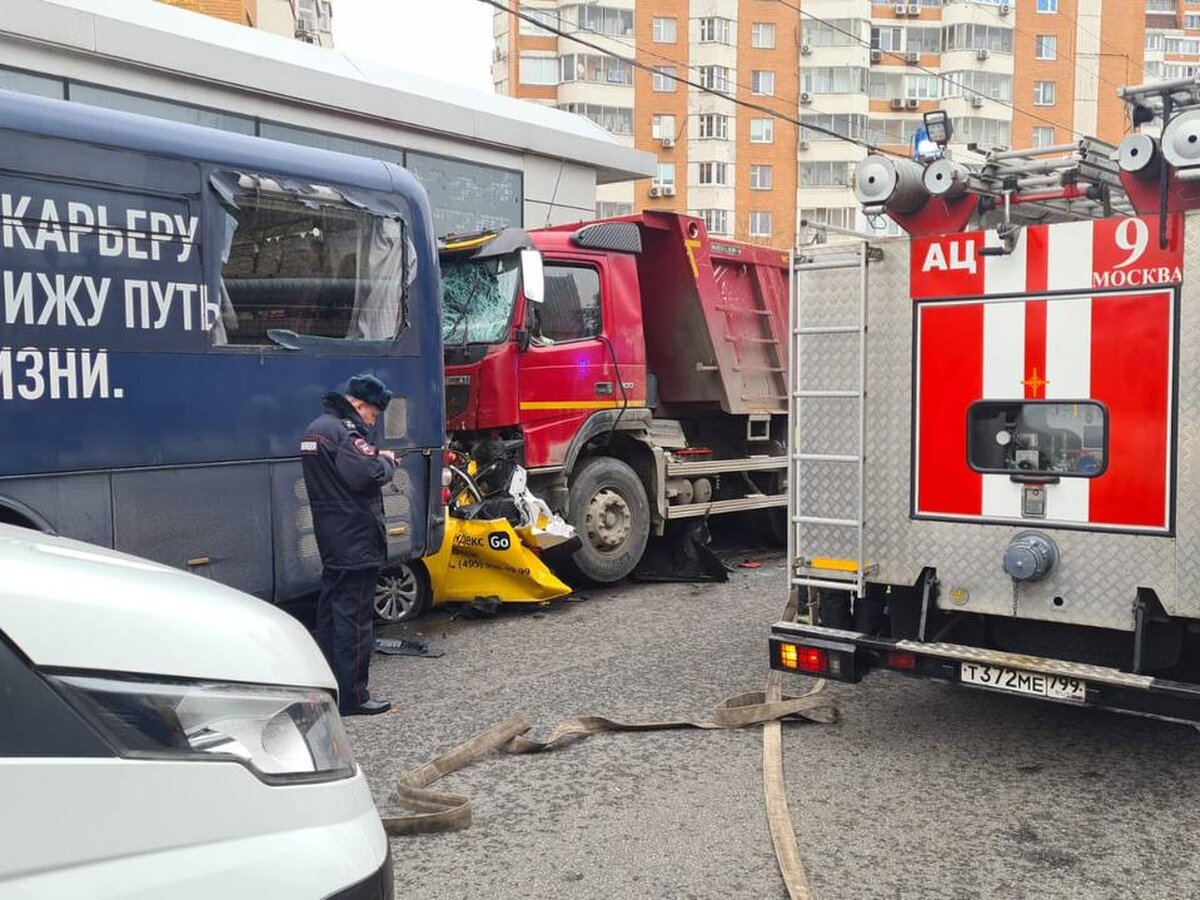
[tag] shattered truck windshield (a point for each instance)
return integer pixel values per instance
(478, 298)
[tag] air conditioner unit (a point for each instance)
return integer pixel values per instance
(655, 191)
(804, 145)
(912, 57)
(914, 9)
(1005, 9)
(668, 190)
(982, 54)
(668, 142)
(805, 49)
(901, 9)
(876, 56)
(897, 103)
(977, 102)
(912, 103)
(805, 97)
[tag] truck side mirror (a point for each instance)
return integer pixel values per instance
(533, 282)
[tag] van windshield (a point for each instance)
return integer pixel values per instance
(478, 298)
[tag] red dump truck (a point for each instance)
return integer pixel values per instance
(635, 367)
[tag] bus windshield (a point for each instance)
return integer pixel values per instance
(478, 298)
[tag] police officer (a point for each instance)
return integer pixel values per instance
(344, 474)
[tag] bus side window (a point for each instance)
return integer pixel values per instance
(319, 269)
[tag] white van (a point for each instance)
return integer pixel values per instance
(162, 735)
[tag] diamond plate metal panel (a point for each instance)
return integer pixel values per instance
(1187, 472)
(1099, 574)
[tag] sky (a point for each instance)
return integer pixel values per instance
(446, 39)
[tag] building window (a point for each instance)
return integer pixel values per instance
(1045, 46)
(538, 69)
(834, 80)
(716, 31)
(824, 174)
(545, 16)
(762, 178)
(716, 221)
(716, 78)
(993, 85)
(1155, 40)
(762, 82)
(1160, 6)
(614, 119)
(598, 69)
(1051, 6)
(762, 131)
(760, 224)
(993, 38)
(666, 31)
(922, 87)
(715, 127)
(1043, 93)
(887, 39)
(845, 124)
(601, 19)
(762, 36)
(927, 40)
(664, 79)
(662, 126)
(1043, 136)
(606, 209)
(1189, 46)
(1191, 20)
(837, 216)
(714, 173)
(666, 175)
(833, 32)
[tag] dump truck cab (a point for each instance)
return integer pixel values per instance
(609, 357)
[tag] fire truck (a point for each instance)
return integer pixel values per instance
(993, 444)
(635, 367)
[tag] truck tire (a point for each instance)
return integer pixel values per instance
(611, 515)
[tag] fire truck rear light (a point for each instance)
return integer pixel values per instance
(804, 659)
(899, 659)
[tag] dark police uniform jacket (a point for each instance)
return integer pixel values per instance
(344, 475)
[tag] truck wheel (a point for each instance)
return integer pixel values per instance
(402, 593)
(610, 513)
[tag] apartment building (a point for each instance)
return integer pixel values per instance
(1010, 73)
(1172, 39)
(310, 21)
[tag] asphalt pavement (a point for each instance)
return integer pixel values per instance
(922, 790)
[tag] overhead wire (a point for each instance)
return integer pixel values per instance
(670, 59)
(939, 75)
(645, 67)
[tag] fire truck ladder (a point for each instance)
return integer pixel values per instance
(842, 407)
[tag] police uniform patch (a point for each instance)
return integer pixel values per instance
(363, 447)
(307, 446)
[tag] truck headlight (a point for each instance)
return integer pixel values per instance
(282, 734)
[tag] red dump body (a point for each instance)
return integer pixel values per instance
(705, 319)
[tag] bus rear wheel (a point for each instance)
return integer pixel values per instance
(611, 515)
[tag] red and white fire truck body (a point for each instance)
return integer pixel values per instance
(995, 449)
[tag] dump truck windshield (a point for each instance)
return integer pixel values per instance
(478, 298)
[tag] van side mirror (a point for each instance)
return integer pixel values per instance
(533, 282)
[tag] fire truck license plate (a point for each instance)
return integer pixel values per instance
(1038, 684)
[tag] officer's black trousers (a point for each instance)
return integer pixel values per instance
(345, 629)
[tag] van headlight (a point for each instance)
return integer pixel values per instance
(282, 734)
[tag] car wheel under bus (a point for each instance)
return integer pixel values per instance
(402, 593)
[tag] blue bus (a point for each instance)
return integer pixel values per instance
(174, 303)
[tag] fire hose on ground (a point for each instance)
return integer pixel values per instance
(427, 811)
